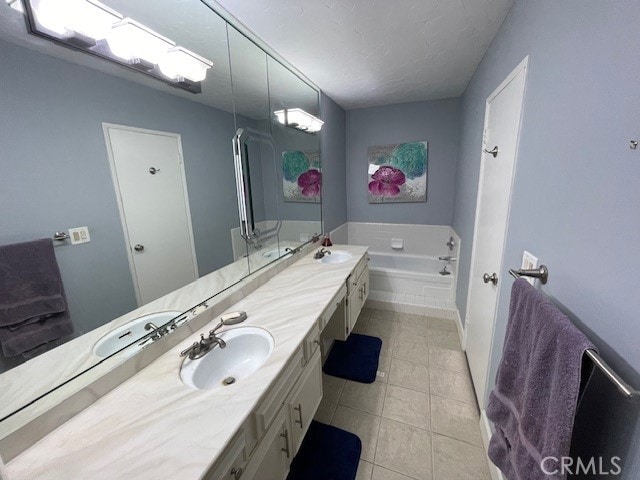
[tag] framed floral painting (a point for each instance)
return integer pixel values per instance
(301, 176)
(398, 173)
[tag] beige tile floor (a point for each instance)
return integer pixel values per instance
(419, 420)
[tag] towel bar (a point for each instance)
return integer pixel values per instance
(627, 390)
(60, 236)
(541, 273)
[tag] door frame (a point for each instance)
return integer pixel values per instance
(116, 185)
(523, 66)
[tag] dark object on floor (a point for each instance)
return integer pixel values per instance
(354, 359)
(326, 453)
(534, 401)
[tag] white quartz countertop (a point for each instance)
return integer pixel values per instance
(154, 427)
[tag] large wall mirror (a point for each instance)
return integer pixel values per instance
(279, 158)
(119, 184)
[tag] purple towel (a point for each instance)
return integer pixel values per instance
(534, 401)
(33, 308)
(30, 284)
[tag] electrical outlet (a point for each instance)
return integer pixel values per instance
(79, 235)
(529, 262)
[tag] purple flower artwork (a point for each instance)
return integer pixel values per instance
(301, 176)
(397, 173)
(310, 182)
(386, 181)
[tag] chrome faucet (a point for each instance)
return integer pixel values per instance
(200, 348)
(321, 253)
(158, 332)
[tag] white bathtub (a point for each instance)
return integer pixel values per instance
(411, 275)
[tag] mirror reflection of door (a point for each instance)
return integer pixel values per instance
(149, 178)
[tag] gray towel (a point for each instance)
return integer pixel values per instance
(30, 284)
(33, 308)
(534, 401)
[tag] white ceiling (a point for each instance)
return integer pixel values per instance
(365, 53)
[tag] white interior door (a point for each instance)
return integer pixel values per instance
(149, 178)
(501, 131)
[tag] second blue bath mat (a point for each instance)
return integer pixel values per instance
(326, 453)
(354, 359)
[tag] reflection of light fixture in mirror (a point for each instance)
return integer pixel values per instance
(298, 118)
(181, 63)
(94, 28)
(131, 41)
(75, 18)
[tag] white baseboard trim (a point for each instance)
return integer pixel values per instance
(462, 332)
(485, 429)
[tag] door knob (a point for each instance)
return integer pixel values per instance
(138, 247)
(493, 151)
(490, 278)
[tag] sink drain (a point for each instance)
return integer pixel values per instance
(229, 381)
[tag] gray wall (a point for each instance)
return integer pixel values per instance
(334, 164)
(434, 121)
(55, 172)
(577, 185)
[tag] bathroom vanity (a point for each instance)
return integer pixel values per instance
(155, 426)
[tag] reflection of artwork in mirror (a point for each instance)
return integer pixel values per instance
(398, 173)
(301, 176)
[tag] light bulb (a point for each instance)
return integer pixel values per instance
(64, 17)
(182, 63)
(131, 40)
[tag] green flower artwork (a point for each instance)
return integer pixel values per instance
(398, 173)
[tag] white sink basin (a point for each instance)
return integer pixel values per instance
(246, 351)
(337, 256)
(129, 332)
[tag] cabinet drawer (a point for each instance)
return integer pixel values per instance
(268, 409)
(232, 462)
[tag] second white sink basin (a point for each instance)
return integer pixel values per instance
(246, 351)
(122, 336)
(337, 256)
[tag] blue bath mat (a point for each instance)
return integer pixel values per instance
(354, 359)
(326, 453)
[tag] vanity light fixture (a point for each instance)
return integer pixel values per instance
(299, 119)
(94, 28)
(182, 63)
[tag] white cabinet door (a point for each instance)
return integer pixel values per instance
(357, 298)
(273, 455)
(304, 401)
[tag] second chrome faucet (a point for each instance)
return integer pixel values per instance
(200, 348)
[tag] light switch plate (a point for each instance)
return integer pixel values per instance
(529, 262)
(79, 235)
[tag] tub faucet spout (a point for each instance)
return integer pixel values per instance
(448, 258)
